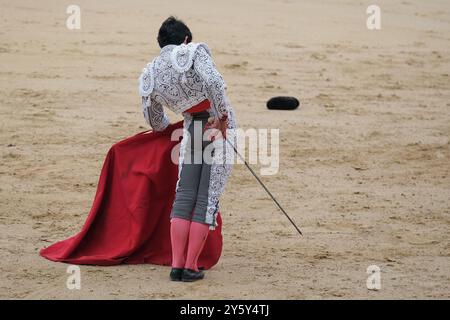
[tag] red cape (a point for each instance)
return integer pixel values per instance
(129, 219)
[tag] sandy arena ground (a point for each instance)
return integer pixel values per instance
(364, 163)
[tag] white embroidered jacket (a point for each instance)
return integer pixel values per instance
(179, 78)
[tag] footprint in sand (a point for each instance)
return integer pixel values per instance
(318, 56)
(234, 66)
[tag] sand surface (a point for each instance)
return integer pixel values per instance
(364, 163)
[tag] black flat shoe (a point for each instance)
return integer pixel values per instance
(175, 274)
(190, 275)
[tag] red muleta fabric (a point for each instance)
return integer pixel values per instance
(129, 220)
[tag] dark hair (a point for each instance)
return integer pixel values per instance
(173, 31)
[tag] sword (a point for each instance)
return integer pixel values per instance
(262, 184)
(210, 120)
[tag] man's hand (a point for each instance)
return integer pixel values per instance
(219, 128)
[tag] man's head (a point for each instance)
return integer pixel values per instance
(173, 31)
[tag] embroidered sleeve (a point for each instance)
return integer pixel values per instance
(154, 114)
(153, 111)
(215, 85)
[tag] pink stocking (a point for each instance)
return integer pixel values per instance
(197, 238)
(179, 231)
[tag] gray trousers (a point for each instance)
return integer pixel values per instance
(191, 199)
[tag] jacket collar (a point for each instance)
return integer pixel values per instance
(168, 47)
